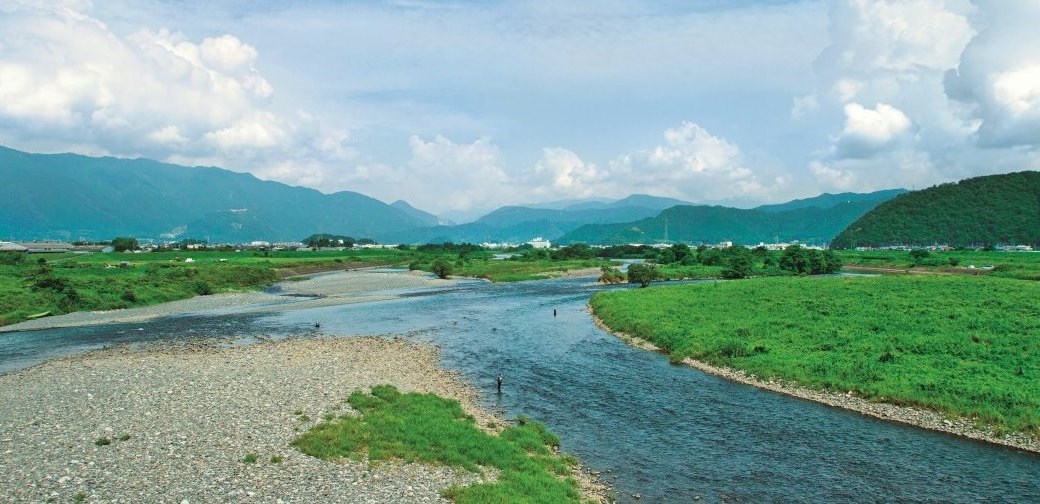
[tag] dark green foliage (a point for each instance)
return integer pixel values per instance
(642, 274)
(739, 263)
(249, 458)
(426, 428)
(995, 209)
(802, 261)
(918, 255)
(103, 441)
(123, 244)
(324, 240)
(441, 268)
(201, 287)
(713, 224)
(964, 345)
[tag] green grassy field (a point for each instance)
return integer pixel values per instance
(426, 428)
(962, 345)
(67, 282)
(515, 271)
(1021, 265)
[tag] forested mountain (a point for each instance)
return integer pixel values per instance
(994, 209)
(422, 216)
(828, 200)
(68, 196)
(713, 224)
(520, 223)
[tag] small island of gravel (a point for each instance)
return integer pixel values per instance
(203, 422)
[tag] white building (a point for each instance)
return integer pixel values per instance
(540, 243)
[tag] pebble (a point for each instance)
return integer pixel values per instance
(186, 443)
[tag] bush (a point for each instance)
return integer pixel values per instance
(441, 268)
(201, 287)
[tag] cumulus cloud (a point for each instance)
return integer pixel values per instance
(868, 131)
(690, 163)
(440, 175)
(998, 76)
(67, 79)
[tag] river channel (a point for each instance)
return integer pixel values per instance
(663, 432)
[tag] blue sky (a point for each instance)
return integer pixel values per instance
(460, 107)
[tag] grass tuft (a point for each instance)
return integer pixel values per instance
(249, 458)
(426, 428)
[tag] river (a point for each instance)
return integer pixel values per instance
(664, 432)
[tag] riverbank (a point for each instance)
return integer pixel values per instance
(916, 417)
(205, 422)
(340, 287)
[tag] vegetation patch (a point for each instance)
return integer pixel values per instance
(964, 346)
(427, 428)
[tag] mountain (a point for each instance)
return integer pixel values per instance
(634, 200)
(519, 224)
(69, 196)
(714, 224)
(426, 218)
(994, 209)
(827, 200)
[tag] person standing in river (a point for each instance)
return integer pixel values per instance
(499, 384)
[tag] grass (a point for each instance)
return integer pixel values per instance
(103, 441)
(277, 459)
(249, 458)
(1020, 265)
(513, 270)
(79, 497)
(124, 437)
(965, 346)
(426, 428)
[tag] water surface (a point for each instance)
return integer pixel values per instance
(668, 433)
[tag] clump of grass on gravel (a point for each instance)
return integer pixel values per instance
(427, 428)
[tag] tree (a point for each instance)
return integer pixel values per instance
(123, 244)
(642, 274)
(441, 268)
(917, 255)
(739, 263)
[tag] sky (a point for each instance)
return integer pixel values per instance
(459, 107)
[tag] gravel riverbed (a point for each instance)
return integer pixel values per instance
(181, 418)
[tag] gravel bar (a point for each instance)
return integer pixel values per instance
(180, 418)
(343, 287)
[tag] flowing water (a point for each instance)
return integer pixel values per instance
(667, 433)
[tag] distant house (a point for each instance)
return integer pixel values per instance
(12, 247)
(47, 247)
(540, 243)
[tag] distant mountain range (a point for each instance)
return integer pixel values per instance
(989, 210)
(70, 197)
(813, 220)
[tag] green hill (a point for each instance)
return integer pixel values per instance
(68, 196)
(714, 224)
(995, 209)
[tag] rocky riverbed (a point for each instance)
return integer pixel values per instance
(178, 423)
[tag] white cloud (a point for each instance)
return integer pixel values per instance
(868, 131)
(567, 173)
(443, 175)
(690, 163)
(67, 78)
(998, 76)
